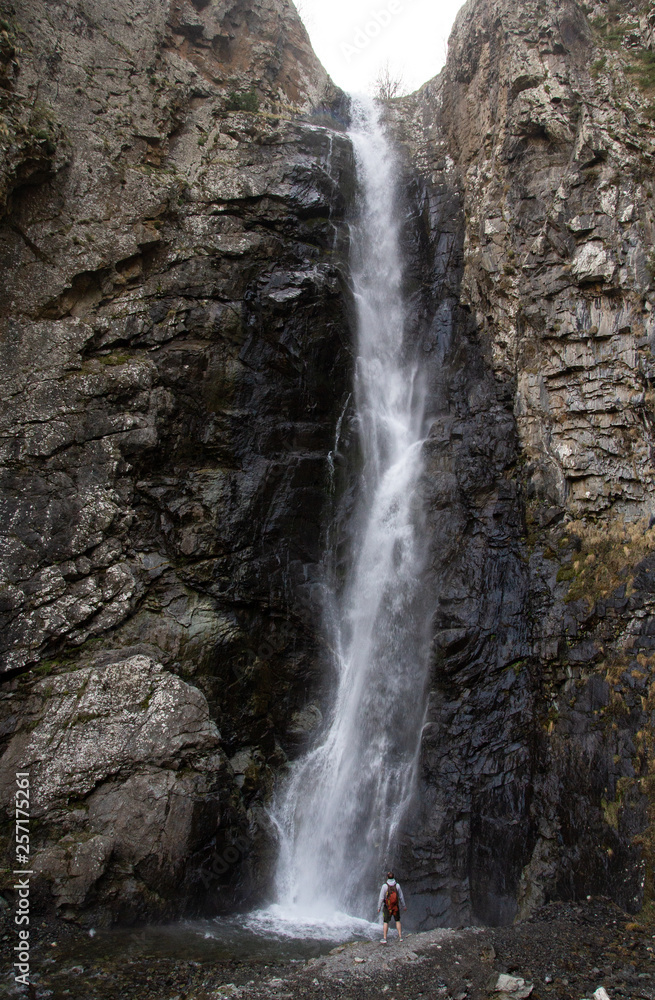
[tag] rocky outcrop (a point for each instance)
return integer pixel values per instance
(174, 350)
(552, 144)
(142, 243)
(126, 764)
(534, 203)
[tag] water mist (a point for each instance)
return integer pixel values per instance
(339, 812)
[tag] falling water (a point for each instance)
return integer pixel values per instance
(339, 813)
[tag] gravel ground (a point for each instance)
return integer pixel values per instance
(566, 951)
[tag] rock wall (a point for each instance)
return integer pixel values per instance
(174, 350)
(534, 217)
(175, 354)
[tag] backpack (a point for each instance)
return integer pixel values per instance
(391, 899)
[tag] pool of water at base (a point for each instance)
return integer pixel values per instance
(273, 934)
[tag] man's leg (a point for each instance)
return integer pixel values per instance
(385, 930)
(399, 929)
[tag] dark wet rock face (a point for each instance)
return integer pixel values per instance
(533, 220)
(468, 837)
(174, 356)
(175, 347)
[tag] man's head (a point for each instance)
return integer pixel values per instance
(390, 875)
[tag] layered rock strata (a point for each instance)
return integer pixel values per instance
(174, 352)
(534, 217)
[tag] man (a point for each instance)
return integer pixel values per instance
(390, 900)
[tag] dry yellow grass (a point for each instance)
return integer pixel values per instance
(607, 556)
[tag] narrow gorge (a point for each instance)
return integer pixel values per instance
(193, 366)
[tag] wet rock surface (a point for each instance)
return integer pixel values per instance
(175, 356)
(530, 212)
(565, 951)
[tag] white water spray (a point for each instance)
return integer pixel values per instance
(339, 813)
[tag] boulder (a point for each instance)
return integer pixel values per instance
(127, 766)
(512, 988)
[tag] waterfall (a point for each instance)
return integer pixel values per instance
(339, 813)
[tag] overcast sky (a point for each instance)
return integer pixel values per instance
(354, 38)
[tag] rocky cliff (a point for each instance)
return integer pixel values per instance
(175, 348)
(533, 273)
(175, 357)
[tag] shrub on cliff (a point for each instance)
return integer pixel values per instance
(245, 100)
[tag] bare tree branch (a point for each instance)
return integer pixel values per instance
(388, 84)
